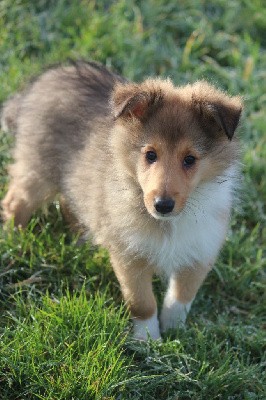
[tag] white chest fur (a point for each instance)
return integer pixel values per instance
(196, 235)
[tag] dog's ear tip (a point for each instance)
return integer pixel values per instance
(227, 117)
(132, 100)
(132, 105)
(218, 107)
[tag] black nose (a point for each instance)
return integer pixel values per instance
(164, 205)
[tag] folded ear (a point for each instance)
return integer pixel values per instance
(226, 116)
(133, 101)
(217, 108)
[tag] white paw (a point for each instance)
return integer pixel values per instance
(173, 314)
(143, 329)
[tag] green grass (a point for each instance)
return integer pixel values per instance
(63, 330)
(60, 339)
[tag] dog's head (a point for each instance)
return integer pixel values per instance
(171, 139)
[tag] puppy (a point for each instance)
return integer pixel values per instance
(148, 169)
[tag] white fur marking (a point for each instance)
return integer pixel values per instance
(173, 312)
(195, 235)
(145, 328)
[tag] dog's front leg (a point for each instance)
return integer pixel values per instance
(135, 278)
(182, 289)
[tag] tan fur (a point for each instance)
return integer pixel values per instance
(136, 286)
(169, 178)
(83, 132)
(9, 114)
(188, 281)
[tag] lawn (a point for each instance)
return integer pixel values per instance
(64, 331)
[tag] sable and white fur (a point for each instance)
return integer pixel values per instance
(86, 134)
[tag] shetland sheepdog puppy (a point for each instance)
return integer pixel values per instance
(148, 169)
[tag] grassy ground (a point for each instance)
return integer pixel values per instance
(63, 331)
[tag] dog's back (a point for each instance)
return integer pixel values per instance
(64, 103)
(52, 120)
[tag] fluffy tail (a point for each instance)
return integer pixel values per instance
(9, 114)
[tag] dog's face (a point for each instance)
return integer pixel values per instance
(171, 140)
(167, 175)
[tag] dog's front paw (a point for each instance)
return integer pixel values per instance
(143, 329)
(173, 314)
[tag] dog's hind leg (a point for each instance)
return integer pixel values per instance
(69, 216)
(27, 191)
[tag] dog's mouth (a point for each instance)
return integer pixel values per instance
(164, 217)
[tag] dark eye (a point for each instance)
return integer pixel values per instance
(189, 161)
(151, 156)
